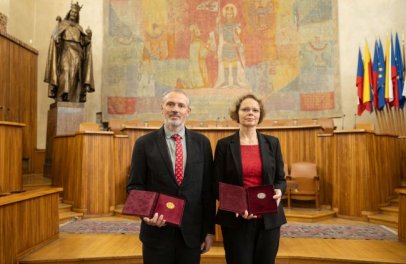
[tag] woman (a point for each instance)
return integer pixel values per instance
(249, 158)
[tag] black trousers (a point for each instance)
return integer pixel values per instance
(251, 243)
(176, 251)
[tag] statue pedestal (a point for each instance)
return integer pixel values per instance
(64, 118)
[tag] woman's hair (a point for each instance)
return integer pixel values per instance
(234, 112)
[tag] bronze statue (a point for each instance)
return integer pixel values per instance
(69, 69)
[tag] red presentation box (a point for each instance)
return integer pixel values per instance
(256, 200)
(146, 204)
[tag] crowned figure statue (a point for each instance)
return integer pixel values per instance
(69, 69)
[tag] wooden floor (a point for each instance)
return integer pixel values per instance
(108, 248)
(126, 248)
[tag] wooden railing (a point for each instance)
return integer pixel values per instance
(11, 156)
(402, 214)
(367, 169)
(18, 91)
(358, 170)
(28, 220)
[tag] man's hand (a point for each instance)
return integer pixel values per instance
(89, 32)
(206, 245)
(156, 220)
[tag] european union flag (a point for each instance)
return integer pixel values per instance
(381, 77)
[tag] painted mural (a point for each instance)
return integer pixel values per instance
(286, 52)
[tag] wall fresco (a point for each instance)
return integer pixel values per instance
(286, 52)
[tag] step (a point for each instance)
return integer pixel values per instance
(64, 207)
(67, 216)
(383, 219)
(390, 210)
(35, 181)
(403, 183)
(395, 201)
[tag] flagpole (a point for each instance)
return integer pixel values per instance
(388, 125)
(404, 121)
(398, 122)
(390, 120)
(379, 118)
(403, 124)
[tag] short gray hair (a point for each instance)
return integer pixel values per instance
(164, 97)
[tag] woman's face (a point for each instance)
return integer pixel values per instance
(249, 113)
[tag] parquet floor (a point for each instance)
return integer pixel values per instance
(112, 248)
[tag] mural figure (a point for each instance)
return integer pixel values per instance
(262, 11)
(230, 49)
(155, 48)
(198, 52)
(69, 69)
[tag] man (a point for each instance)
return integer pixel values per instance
(230, 49)
(155, 167)
(69, 69)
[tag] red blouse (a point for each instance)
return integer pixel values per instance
(251, 165)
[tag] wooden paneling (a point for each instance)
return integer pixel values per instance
(367, 171)
(325, 167)
(298, 143)
(11, 137)
(83, 165)
(402, 215)
(39, 159)
(18, 91)
(27, 220)
(4, 75)
(122, 160)
(358, 170)
(402, 147)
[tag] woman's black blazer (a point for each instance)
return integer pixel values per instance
(228, 169)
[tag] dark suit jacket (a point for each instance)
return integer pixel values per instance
(228, 169)
(152, 170)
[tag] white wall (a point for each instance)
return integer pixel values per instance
(358, 20)
(91, 15)
(5, 7)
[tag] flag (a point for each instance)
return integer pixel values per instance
(399, 71)
(359, 83)
(395, 101)
(375, 73)
(388, 72)
(367, 87)
(381, 77)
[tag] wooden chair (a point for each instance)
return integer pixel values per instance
(304, 175)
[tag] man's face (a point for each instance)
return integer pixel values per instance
(229, 13)
(73, 15)
(175, 109)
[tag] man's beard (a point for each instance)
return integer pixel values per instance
(173, 123)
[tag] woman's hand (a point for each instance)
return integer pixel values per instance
(246, 215)
(278, 196)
